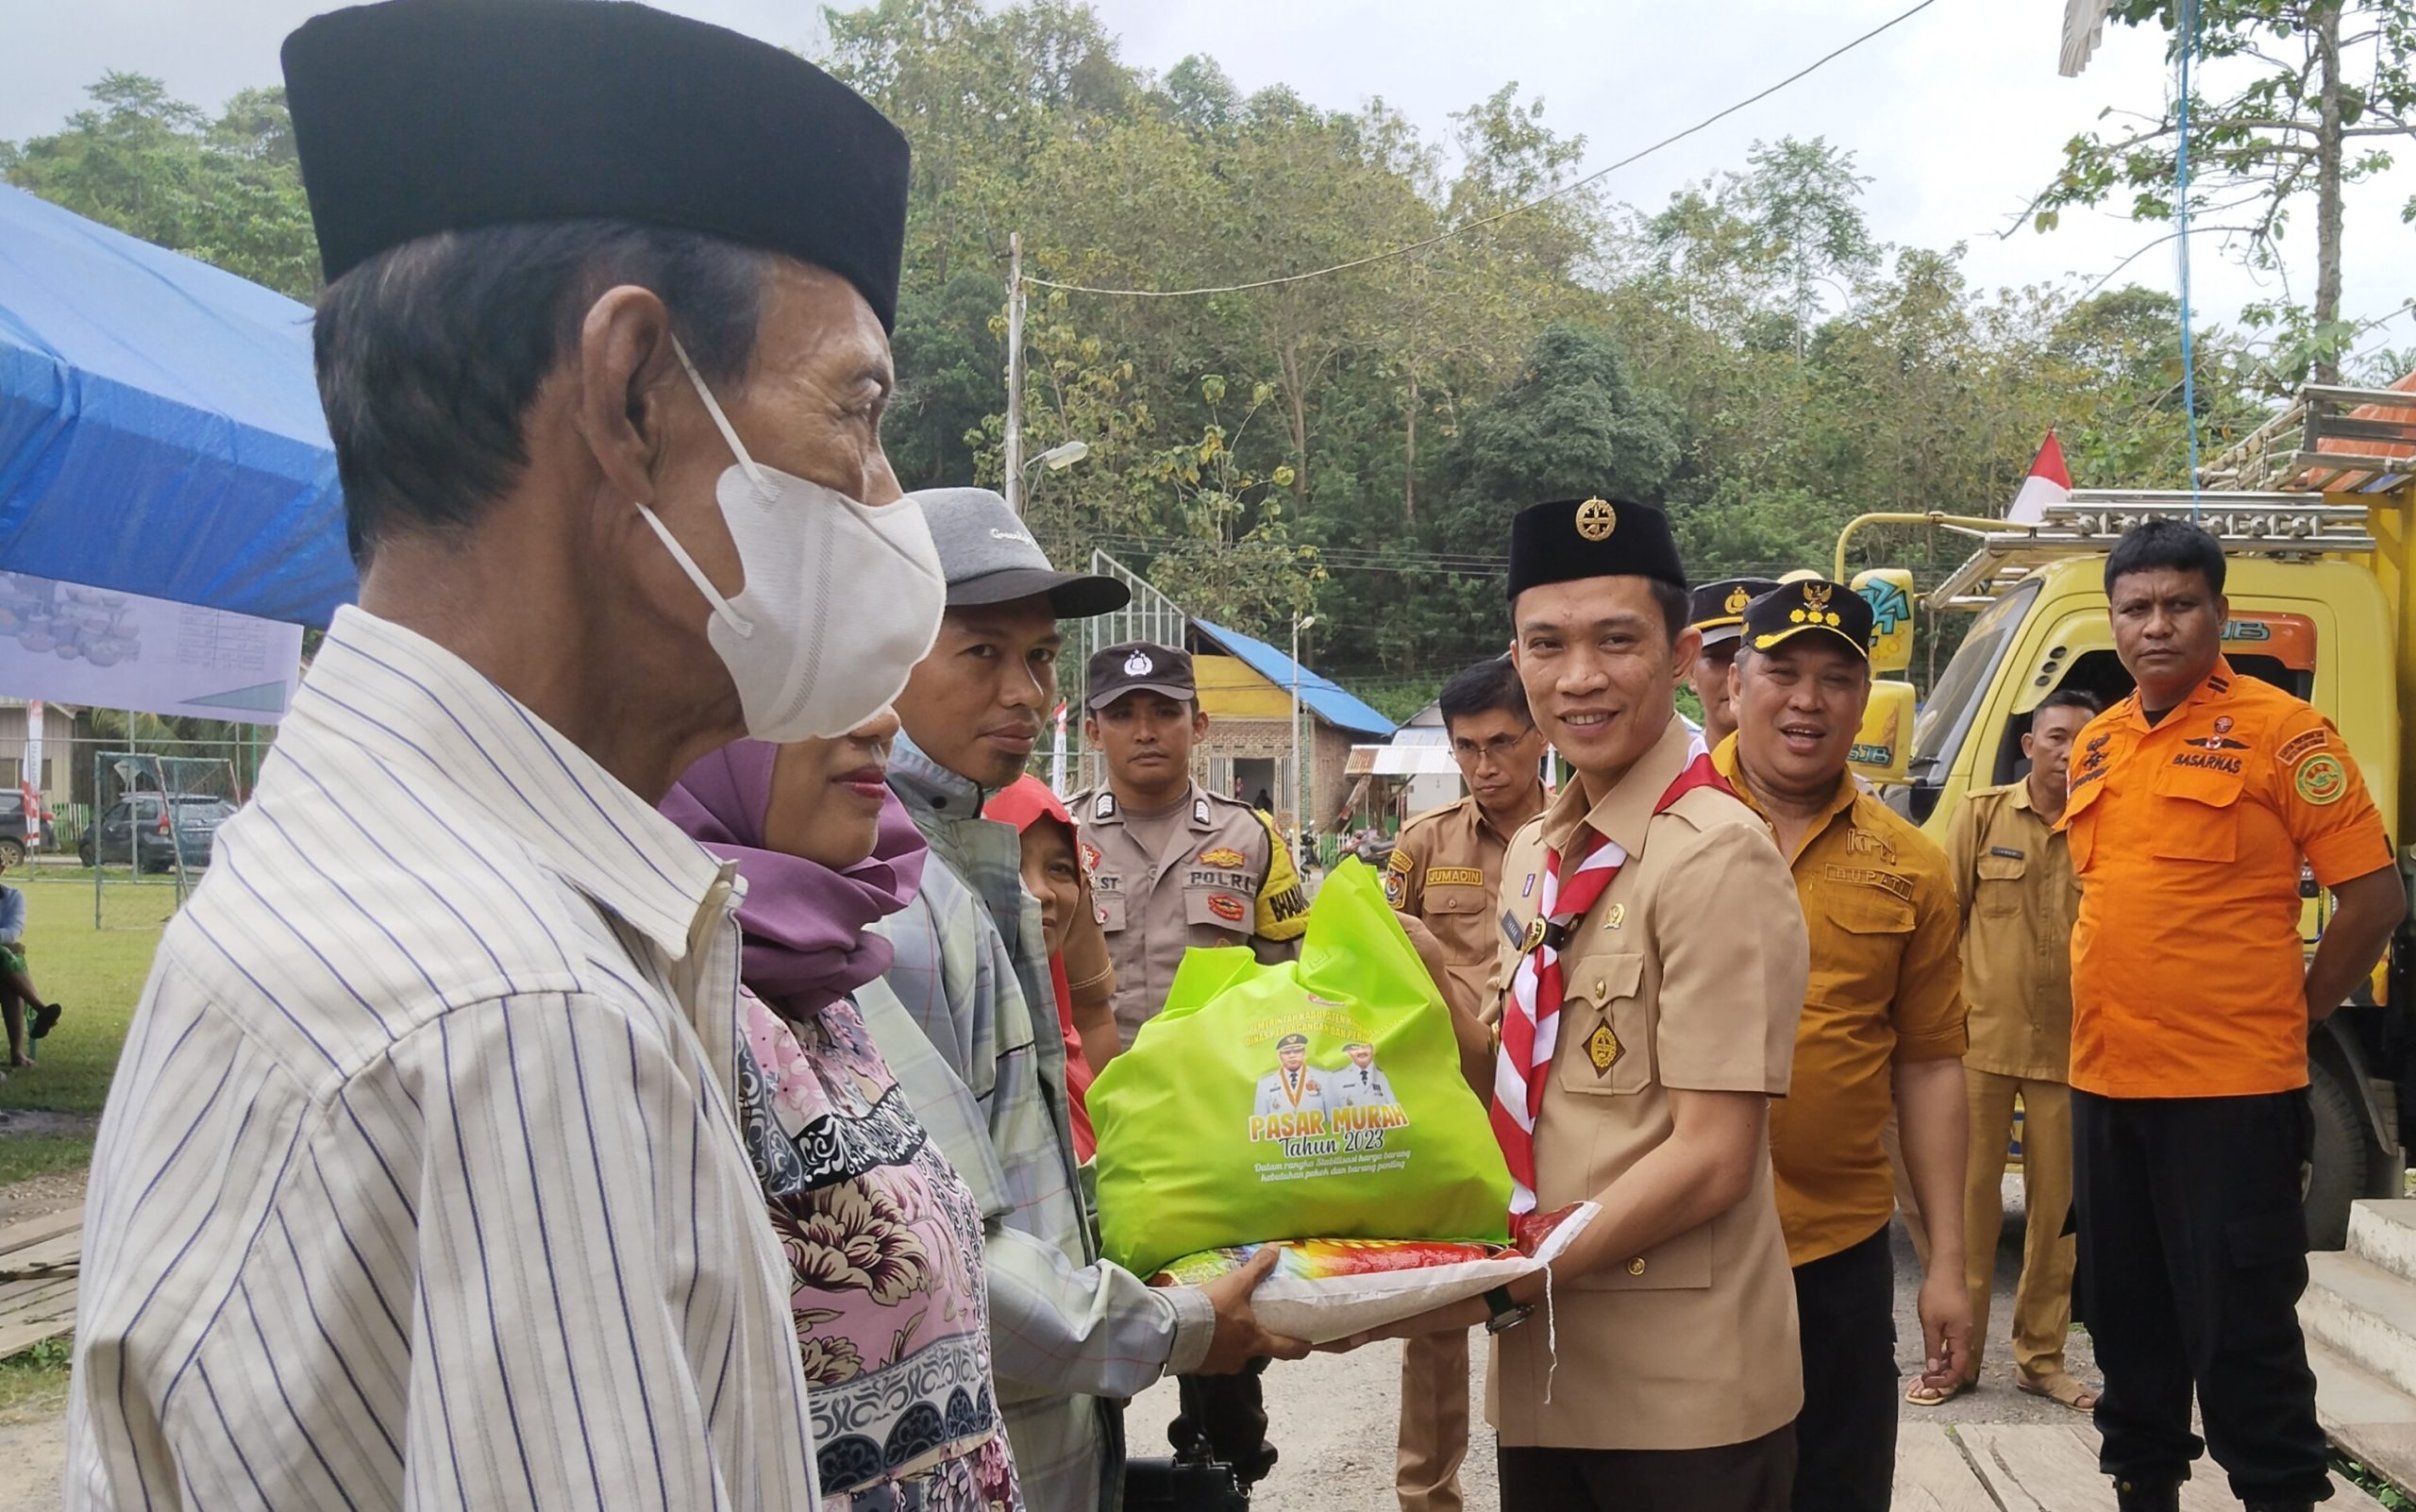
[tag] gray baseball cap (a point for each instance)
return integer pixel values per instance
(990, 557)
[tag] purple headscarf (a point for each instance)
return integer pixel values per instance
(804, 924)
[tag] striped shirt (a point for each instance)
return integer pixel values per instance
(420, 1183)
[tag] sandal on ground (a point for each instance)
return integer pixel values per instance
(45, 1019)
(21, 1062)
(1924, 1395)
(2059, 1388)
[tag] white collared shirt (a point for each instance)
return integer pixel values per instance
(420, 1183)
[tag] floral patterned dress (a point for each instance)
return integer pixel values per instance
(884, 1241)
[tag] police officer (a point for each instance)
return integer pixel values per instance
(1172, 864)
(1719, 611)
(2191, 803)
(1667, 1378)
(1447, 872)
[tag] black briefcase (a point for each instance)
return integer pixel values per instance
(1163, 1485)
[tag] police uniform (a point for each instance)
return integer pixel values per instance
(2188, 1069)
(1445, 870)
(1681, 1357)
(1217, 877)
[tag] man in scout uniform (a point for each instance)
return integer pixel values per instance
(1642, 1036)
(1719, 611)
(2192, 802)
(1295, 1087)
(2013, 876)
(1882, 1029)
(1446, 872)
(1172, 864)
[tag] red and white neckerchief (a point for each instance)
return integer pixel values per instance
(1531, 1018)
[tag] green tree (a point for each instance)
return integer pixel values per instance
(228, 191)
(2324, 94)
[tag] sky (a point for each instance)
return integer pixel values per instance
(1957, 115)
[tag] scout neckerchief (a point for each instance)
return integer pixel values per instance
(1530, 1018)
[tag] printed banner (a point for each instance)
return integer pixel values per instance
(69, 644)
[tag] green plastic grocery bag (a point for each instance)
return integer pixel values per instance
(1317, 1098)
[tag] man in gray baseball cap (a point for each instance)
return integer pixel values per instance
(1071, 1334)
(990, 557)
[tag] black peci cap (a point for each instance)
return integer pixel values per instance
(1574, 538)
(416, 117)
(1809, 606)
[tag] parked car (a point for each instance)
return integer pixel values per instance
(12, 828)
(137, 827)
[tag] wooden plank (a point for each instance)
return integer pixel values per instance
(36, 1231)
(1932, 1474)
(2054, 1469)
(33, 1311)
(48, 1256)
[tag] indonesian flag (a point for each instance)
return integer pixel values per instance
(2050, 482)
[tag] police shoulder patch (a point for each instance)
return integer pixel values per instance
(2322, 780)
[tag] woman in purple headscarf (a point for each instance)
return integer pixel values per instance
(883, 1237)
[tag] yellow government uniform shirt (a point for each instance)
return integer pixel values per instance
(1691, 1344)
(1886, 985)
(2013, 876)
(1447, 870)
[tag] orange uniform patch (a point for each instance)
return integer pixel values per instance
(1223, 856)
(1226, 906)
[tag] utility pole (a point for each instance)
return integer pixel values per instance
(1015, 371)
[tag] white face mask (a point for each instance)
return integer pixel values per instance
(805, 663)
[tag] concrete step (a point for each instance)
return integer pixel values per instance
(2366, 1416)
(2359, 1310)
(2382, 1231)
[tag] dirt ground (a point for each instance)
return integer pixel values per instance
(1336, 1416)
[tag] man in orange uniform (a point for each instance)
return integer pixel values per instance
(2191, 803)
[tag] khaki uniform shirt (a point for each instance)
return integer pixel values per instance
(1691, 1344)
(1886, 985)
(1202, 887)
(1447, 870)
(2013, 874)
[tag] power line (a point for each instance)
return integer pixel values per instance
(1499, 216)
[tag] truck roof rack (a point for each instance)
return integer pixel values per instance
(2330, 438)
(2285, 525)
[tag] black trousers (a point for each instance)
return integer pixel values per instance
(2192, 1256)
(1845, 1441)
(1748, 1477)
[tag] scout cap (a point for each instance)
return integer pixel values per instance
(416, 117)
(989, 556)
(1718, 609)
(1139, 666)
(1593, 537)
(1809, 606)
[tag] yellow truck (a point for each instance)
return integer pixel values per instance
(2317, 513)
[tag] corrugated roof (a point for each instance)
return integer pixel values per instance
(1324, 697)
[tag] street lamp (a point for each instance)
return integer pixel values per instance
(1056, 459)
(1299, 784)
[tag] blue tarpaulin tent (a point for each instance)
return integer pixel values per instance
(159, 431)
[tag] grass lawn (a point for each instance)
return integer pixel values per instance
(96, 974)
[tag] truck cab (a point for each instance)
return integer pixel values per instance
(2318, 585)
